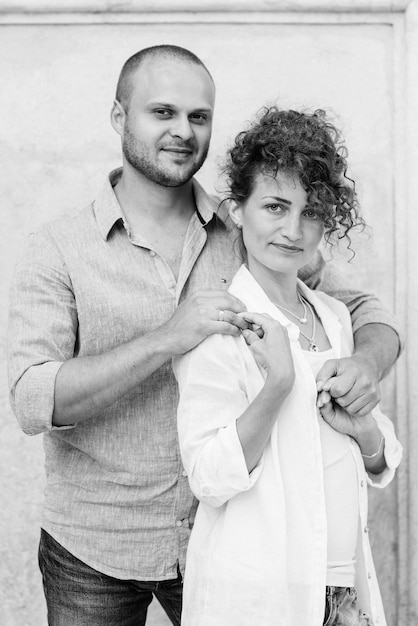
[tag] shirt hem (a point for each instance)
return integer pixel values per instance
(108, 571)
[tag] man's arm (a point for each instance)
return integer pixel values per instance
(354, 382)
(85, 386)
(51, 387)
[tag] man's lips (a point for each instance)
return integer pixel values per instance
(177, 149)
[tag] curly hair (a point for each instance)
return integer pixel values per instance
(303, 145)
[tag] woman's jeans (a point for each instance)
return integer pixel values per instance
(341, 608)
(78, 595)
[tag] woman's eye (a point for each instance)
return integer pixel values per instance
(274, 208)
(312, 214)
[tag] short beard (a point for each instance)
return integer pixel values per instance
(137, 154)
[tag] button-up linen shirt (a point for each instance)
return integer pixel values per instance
(116, 494)
(258, 550)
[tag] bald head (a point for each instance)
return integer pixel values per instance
(154, 53)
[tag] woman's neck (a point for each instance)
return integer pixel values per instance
(281, 288)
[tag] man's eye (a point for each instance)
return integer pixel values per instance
(163, 113)
(199, 117)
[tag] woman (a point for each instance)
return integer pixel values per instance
(280, 536)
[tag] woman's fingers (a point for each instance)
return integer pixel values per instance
(250, 336)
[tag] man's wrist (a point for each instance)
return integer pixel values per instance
(367, 362)
(378, 345)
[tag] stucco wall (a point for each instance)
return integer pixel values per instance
(58, 74)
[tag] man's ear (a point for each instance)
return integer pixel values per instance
(235, 213)
(118, 117)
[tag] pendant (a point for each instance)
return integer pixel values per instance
(302, 320)
(313, 347)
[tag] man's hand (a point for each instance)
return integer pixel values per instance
(352, 382)
(202, 314)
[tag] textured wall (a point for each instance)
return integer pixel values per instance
(57, 86)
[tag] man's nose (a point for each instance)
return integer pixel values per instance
(181, 127)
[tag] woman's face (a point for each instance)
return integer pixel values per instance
(280, 231)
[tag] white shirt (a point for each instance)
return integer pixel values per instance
(258, 550)
(341, 493)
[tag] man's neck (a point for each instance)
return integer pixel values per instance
(143, 200)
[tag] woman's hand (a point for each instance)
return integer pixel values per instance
(269, 342)
(363, 429)
(337, 417)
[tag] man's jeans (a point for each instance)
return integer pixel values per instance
(77, 595)
(341, 608)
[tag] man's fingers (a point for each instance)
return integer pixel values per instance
(220, 300)
(358, 406)
(328, 371)
(257, 319)
(340, 386)
(229, 317)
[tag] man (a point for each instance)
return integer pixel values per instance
(102, 301)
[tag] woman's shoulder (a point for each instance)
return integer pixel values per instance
(221, 351)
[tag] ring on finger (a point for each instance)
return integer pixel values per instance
(221, 315)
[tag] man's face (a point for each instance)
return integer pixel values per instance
(168, 124)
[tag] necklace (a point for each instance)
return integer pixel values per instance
(311, 340)
(301, 320)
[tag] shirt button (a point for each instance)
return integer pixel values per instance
(152, 253)
(178, 523)
(362, 483)
(366, 529)
(184, 473)
(369, 575)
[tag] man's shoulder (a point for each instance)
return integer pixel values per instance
(76, 219)
(95, 215)
(336, 306)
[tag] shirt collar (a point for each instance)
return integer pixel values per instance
(106, 206)
(246, 288)
(108, 212)
(206, 205)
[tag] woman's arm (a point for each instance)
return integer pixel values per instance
(254, 426)
(222, 434)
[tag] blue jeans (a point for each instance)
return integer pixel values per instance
(341, 608)
(77, 595)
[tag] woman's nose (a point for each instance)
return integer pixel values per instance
(291, 228)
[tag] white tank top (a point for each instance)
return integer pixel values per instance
(341, 493)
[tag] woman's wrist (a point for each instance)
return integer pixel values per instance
(278, 388)
(372, 445)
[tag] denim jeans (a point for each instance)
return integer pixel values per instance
(341, 608)
(77, 595)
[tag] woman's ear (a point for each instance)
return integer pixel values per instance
(235, 213)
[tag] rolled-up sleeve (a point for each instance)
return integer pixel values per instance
(42, 332)
(211, 380)
(392, 451)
